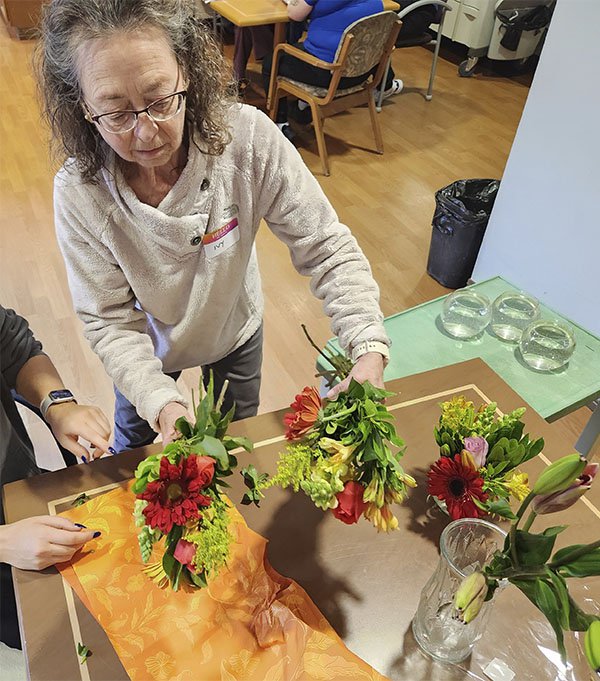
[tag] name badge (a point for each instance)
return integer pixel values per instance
(221, 239)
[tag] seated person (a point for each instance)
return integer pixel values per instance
(328, 21)
(35, 543)
(257, 38)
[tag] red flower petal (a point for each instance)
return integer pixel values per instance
(457, 485)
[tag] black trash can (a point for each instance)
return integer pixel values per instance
(461, 215)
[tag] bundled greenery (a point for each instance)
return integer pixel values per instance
(207, 530)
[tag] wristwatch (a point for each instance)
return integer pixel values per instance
(56, 397)
(363, 347)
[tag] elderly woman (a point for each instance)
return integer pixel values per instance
(158, 206)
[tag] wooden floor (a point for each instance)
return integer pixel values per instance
(388, 201)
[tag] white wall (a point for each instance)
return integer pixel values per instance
(544, 232)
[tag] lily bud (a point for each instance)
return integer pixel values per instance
(467, 460)
(592, 645)
(470, 596)
(559, 475)
(550, 503)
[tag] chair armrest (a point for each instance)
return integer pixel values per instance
(305, 57)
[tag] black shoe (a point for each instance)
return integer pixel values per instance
(301, 116)
(287, 131)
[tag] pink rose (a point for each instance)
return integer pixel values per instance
(478, 449)
(185, 552)
(350, 503)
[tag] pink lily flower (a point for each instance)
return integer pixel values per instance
(558, 501)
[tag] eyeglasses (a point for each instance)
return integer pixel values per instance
(120, 122)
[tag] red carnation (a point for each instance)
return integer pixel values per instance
(350, 503)
(305, 412)
(175, 497)
(458, 485)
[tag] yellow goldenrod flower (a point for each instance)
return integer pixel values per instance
(517, 484)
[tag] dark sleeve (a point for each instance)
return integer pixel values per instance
(17, 345)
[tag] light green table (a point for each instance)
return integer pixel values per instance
(420, 344)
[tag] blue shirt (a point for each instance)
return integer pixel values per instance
(328, 21)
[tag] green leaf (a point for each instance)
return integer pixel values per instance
(555, 530)
(578, 619)
(84, 652)
(183, 426)
(80, 500)
(499, 507)
(197, 580)
(562, 593)
(215, 448)
(533, 549)
(139, 485)
(235, 442)
(168, 563)
(587, 565)
(541, 594)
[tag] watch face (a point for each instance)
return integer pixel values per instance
(60, 394)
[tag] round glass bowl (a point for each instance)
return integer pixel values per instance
(547, 345)
(465, 314)
(512, 313)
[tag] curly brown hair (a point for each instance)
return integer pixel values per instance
(67, 24)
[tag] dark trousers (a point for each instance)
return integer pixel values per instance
(242, 368)
(296, 69)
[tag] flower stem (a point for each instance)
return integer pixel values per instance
(573, 555)
(513, 528)
(529, 521)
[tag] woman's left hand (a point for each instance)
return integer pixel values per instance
(369, 367)
(70, 421)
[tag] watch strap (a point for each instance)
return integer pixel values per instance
(48, 401)
(364, 347)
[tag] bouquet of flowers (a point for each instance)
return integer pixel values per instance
(527, 559)
(340, 455)
(478, 472)
(180, 504)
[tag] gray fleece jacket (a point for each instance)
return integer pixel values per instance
(167, 288)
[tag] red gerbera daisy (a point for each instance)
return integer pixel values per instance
(305, 412)
(458, 485)
(175, 497)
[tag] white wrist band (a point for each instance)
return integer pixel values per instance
(364, 347)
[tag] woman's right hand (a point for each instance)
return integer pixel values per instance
(38, 542)
(167, 418)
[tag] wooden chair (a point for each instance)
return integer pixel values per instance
(365, 45)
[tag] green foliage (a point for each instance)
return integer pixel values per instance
(80, 500)
(293, 467)
(207, 437)
(213, 539)
(83, 652)
(526, 562)
(254, 481)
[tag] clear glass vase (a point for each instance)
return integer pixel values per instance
(466, 545)
(465, 313)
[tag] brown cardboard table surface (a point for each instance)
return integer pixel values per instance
(366, 584)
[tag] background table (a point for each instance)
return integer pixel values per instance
(367, 585)
(260, 12)
(420, 343)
